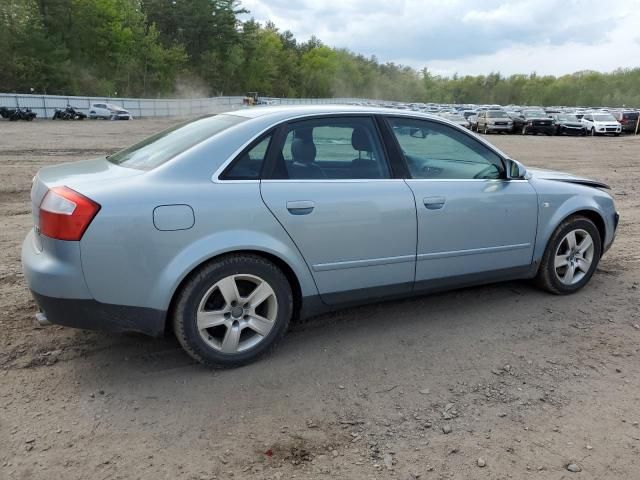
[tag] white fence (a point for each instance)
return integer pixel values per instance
(45, 105)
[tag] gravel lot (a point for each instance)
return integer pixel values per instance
(524, 382)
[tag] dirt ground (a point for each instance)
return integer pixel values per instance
(525, 381)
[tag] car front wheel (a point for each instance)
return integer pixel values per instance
(233, 310)
(571, 256)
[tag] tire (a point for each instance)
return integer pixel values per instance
(524, 129)
(556, 279)
(593, 132)
(616, 134)
(202, 293)
(486, 129)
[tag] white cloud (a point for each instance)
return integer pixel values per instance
(470, 36)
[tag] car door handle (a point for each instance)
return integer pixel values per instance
(300, 207)
(434, 203)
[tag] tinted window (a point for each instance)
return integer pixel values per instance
(249, 164)
(163, 146)
(332, 148)
(438, 151)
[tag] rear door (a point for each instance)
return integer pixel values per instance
(331, 187)
(472, 222)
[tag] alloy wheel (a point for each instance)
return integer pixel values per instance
(574, 257)
(237, 313)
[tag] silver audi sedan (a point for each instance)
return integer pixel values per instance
(225, 228)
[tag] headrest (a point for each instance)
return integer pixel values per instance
(360, 140)
(303, 151)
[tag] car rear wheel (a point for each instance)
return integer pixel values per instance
(524, 130)
(233, 310)
(571, 256)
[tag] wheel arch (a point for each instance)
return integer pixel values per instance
(591, 213)
(283, 265)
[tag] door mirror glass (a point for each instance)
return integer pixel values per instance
(515, 170)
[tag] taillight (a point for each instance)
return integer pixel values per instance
(65, 214)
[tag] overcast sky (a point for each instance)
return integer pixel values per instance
(470, 36)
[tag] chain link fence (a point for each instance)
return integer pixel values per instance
(45, 105)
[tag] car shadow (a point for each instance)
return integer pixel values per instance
(127, 355)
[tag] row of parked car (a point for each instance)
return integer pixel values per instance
(105, 111)
(533, 120)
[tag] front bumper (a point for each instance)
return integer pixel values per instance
(571, 130)
(53, 271)
(548, 129)
(608, 129)
(499, 128)
(607, 244)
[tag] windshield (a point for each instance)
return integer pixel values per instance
(567, 118)
(604, 118)
(534, 113)
(496, 114)
(162, 147)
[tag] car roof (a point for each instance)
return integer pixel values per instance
(270, 115)
(283, 112)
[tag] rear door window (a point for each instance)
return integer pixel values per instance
(331, 148)
(249, 164)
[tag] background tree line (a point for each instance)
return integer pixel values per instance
(152, 48)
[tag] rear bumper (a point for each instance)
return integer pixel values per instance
(53, 271)
(93, 315)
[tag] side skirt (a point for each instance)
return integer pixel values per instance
(313, 305)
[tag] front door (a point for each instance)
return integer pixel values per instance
(330, 186)
(472, 221)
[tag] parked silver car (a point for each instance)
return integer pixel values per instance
(225, 228)
(494, 121)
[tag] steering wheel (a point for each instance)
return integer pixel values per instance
(482, 173)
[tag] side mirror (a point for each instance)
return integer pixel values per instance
(515, 170)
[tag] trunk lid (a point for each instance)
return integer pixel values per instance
(74, 175)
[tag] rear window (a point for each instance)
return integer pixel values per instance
(162, 147)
